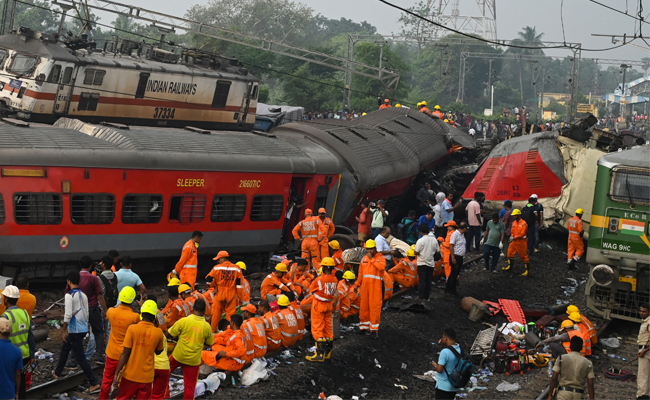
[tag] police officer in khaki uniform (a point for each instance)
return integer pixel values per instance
(643, 375)
(573, 372)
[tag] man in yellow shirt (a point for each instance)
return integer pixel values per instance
(193, 334)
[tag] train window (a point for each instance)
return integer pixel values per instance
(186, 208)
(88, 101)
(142, 85)
(2, 209)
(142, 208)
(630, 185)
(23, 65)
(267, 208)
(38, 208)
(255, 92)
(321, 196)
(95, 208)
(94, 77)
(3, 56)
(55, 73)
(221, 91)
(67, 75)
(226, 208)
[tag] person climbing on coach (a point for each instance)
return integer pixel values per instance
(226, 278)
(437, 112)
(371, 280)
(518, 242)
(325, 231)
(423, 107)
(385, 105)
(576, 247)
(187, 267)
(309, 231)
(324, 291)
(276, 283)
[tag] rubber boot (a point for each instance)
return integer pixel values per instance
(329, 346)
(572, 264)
(510, 262)
(525, 272)
(318, 355)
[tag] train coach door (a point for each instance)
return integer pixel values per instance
(64, 88)
(245, 104)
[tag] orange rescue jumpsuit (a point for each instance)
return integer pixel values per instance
(309, 228)
(255, 328)
(300, 317)
(589, 328)
(355, 300)
(288, 327)
(344, 299)
(235, 353)
(274, 286)
(338, 259)
(177, 310)
(186, 267)
(388, 286)
(576, 245)
(225, 279)
(425, 110)
(437, 114)
(371, 279)
(243, 290)
(323, 291)
(303, 278)
(272, 329)
(519, 243)
(445, 249)
(195, 296)
(584, 350)
(381, 107)
(405, 273)
(209, 296)
(326, 229)
(250, 346)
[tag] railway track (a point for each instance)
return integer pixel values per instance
(65, 384)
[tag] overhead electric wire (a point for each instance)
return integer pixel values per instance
(619, 11)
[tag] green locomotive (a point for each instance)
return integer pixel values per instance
(619, 245)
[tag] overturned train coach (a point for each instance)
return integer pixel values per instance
(76, 189)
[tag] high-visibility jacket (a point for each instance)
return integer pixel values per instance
(193, 298)
(274, 286)
(371, 279)
(388, 286)
(243, 290)
(574, 226)
(186, 267)
(405, 273)
(177, 310)
(326, 229)
(309, 229)
(255, 328)
(250, 345)
(586, 339)
(576, 247)
(324, 290)
(589, 327)
(300, 317)
(586, 345)
(519, 229)
(381, 107)
(338, 259)
(288, 326)
(344, 299)
(27, 302)
(355, 300)
(272, 329)
(20, 324)
(235, 349)
(304, 278)
(438, 114)
(226, 275)
(425, 110)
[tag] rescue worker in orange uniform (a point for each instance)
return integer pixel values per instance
(300, 317)
(324, 291)
(437, 112)
(337, 255)
(185, 293)
(271, 326)
(385, 105)
(244, 288)
(309, 230)
(287, 321)
(423, 108)
(191, 299)
(276, 283)
(300, 277)
(405, 273)
(226, 278)
(371, 280)
(325, 230)
(177, 309)
(209, 293)
(518, 242)
(559, 344)
(355, 299)
(229, 357)
(388, 286)
(576, 318)
(255, 328)
(186, 268)
(172, 281)
(576, 245)
(445, 247)
(584, 324)
(343, 288)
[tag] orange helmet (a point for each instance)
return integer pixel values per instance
(386, 101)
(308, 211)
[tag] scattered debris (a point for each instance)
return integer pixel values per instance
(377, 364)
(403, 366)
(401, 386)
(613, 343)
(361, 376)
(508, 387)
(255, 373)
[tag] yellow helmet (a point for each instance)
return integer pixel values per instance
(174, 282)
(370, 244)
(283, 301)
(364, 114)
(516, 211)
(127, 295)
(410, 253)
(419, 104)
(575, 317)
(437, 107)
(572, 309)
(412, 247)
(182, 288)
(580, 211)
(335, 244)
(566, 324)
(281, 267)
(349, 275)
(320, 271)
(398, 105)
(327, 262)
(241, 265)
(149, 307)
(424, 103)
(446, 121)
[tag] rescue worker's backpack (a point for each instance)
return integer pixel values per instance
(528, 215)
(111, 294)
(406, 228)
(462, 372)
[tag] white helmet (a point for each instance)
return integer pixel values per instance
(12, 292)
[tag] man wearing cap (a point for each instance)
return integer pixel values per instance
(337, 255)
(21, 334)
(271, 326)
(186, 267)
(141, 343)
(518, 242)
(427, 250)
(584, 333)
(27, 301)
(576, 245)
(371, 280)
(309, 230)
(559, 344)
(405, 273)
(343, 289)
(573, 372)
(585, 324)
(244, 288)
(255, 328)
(325, 230)
(324, 291)
(120, 317)
(226, 278)
(275, 283)
(11, 363)
(287, 322)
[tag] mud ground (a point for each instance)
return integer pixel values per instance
(411, 339)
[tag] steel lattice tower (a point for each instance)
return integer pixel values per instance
(482, 21)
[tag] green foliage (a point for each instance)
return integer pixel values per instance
(458, 107)
(35, 18)
(264, 94)
(309, 91)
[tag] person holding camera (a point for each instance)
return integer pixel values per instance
(379, 217)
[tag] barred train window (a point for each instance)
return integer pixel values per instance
(38, 208)
(94, 77)
(226, 208)
(186, 208)
(142, 208)
(267, 208)
(95, 208)
(630, 185)
(2, 209)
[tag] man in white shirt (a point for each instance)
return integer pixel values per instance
(383, 247)
(457, 252)
(427, 250)
(379, 217)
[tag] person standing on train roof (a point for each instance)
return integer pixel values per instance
(126, 277)
(309, 229)
(326, 230)
(186, 268)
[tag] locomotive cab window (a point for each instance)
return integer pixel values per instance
(226, 208)
(54, 75)
(142, 208)
(255, 92)
(38, 208)
(23, 65)
(67, 75)
(186, 208)
(267, 208)
(630, 185)
(221, 91)
(95, 208)
(94, 77)
(2, 209)
(3, 57)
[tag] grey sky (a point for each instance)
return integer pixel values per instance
(581, 19)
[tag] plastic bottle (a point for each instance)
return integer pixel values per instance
(550, 368)
(474, 381)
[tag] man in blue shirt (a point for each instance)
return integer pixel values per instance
(11, 363)
(445, 366)
(126, 277)
(447, 209)
(428, 220)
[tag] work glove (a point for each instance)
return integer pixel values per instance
(500, 245)
(510, 240)
(174, 272)
(481, 242)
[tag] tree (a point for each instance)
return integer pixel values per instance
(528, 37)
(314, 92)
(35, 15)
(417, 28)
(368, 53)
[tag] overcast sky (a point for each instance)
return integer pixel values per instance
(581, 19)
